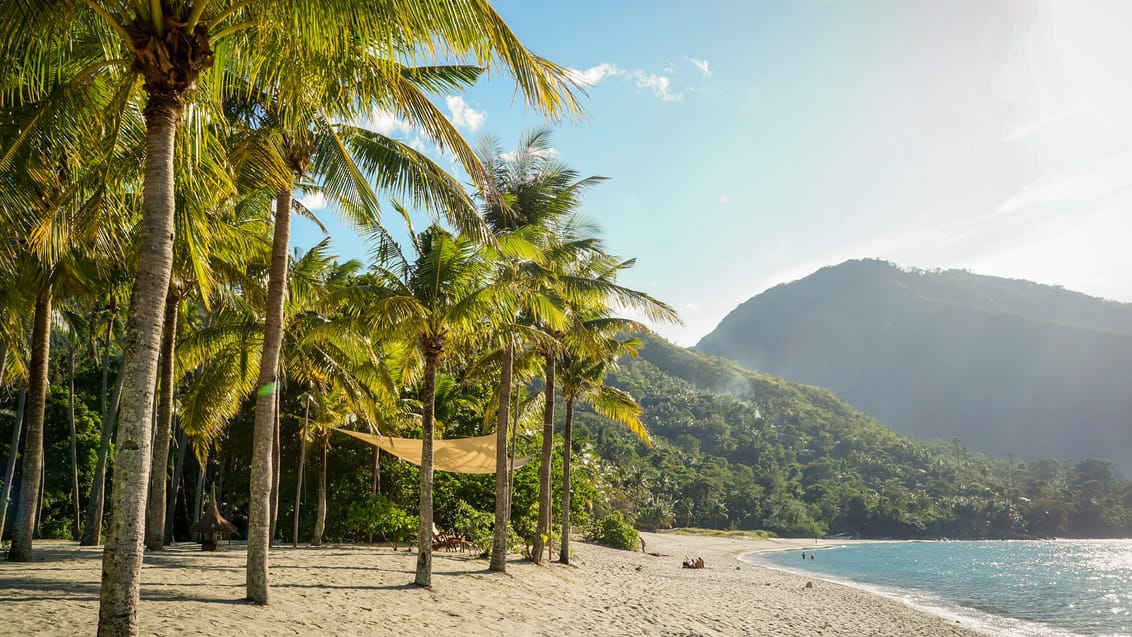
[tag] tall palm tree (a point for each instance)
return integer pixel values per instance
(536, 191)
(593, 346)
(436, 301)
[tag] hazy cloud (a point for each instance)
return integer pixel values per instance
(702, 65)
(661, 85)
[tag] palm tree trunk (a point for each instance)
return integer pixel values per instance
(259, 507)
(76, 529)
(432, 351)
(511, 449)
(567, 435)
(159, 477)
(178, 475)
(320, 515)
(302, 468)
(92, 534)
(275, 468)
(542, 531)
(3, 359)
(122, 556)
(10, 471)
(502, 479)
(33, 444)
(375, 484)
(198, 496)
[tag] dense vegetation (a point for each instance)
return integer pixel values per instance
(1007, 366)
(737, 449)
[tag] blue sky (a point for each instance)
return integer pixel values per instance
(751, 143)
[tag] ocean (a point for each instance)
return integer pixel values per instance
(1024, 587)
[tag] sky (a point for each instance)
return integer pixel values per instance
(748, 144)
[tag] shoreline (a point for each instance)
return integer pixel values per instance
(366, 589)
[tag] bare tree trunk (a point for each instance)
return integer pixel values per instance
(163, 431)
(13, 451)
(33, 466)
(542, 531)
(275, 468)
(93, 532)
(122, 556)
(259, 507)
(433, 347)
(76, 529)
(302, 468)
(502, 477)
(320, 515)
(567, 436)
(178, 474)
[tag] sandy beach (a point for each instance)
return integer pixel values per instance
(367, 590)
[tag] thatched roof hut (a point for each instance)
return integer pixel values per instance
(212, 525)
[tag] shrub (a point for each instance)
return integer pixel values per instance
(615, 531)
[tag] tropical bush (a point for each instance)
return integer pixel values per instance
(378, 515)
(615, 531)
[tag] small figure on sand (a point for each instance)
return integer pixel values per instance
(696, 563)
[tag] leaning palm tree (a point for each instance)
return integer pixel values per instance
(436, 301)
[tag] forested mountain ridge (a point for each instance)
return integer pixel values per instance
(735, 448)
(1006, 366)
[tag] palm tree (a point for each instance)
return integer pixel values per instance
(437, 301)
(593, 346)
(56, 209)
(536, 191)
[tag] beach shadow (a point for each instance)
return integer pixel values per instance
(66, 589)
(351, 587)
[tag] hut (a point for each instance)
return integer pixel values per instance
(212, 525)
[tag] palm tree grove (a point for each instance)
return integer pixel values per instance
(466, 426)
(152, 153)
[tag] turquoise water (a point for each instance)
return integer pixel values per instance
(1039, 587)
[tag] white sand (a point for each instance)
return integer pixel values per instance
(367, 590)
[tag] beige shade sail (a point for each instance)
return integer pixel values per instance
(458, 455)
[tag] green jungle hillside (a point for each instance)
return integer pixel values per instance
(1006, 366)
(738, 449)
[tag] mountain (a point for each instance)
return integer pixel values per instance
(1005, 366)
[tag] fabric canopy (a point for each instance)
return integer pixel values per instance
(458, 455)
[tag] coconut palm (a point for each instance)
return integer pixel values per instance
(593, 346)
(437, 301)
(56, 205)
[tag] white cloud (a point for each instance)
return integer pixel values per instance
(595, 74)
(386, 123)
(464, 116)
(313, 201)
(659, 84)
(702, 65)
